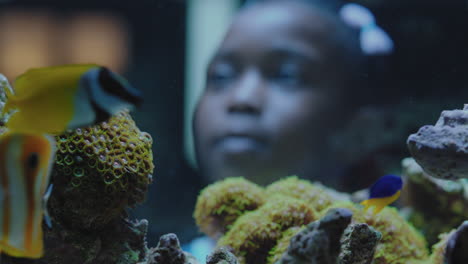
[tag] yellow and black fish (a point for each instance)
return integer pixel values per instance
(383, 192)
(25, 164)
(51, 100)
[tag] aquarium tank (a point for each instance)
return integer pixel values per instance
(233, 132)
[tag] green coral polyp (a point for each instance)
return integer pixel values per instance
(282, 244)
(303, 190)
(255, 233)
(75, 182)
(71, 147)
(78, 172)
(219, 205)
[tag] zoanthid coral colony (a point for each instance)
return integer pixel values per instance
(99, 171)
(260, 235)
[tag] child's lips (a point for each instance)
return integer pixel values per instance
(239, 143)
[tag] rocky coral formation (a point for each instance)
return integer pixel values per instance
(261, 236)
(4, 84)
(168, 251)
(331, 240)
(219, 205)
(221, 256)
(319, 242)
(457, 245)
(452, 247)
(437, 205)
(120, 242)
(401, 243)
(358, 244)
(442, 149)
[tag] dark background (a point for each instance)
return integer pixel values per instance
(427, 72)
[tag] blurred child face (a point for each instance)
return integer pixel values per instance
(271, 94)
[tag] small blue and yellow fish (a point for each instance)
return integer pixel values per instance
(51, 100)
(25, 165)
(383, 192)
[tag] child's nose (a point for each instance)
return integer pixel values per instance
(248, 94)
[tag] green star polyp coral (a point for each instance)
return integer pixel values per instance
(99, 171)
(255, 233)
(219, 205)
(259, 236)
(314, 195)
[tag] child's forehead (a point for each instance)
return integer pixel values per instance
(285, 17)
(285, 11)
(280, 24)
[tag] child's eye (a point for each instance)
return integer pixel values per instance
(220, 74)
(287, 74)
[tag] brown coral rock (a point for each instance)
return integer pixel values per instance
(221, 256)
(319, 243)
(168, 251)
(442, 150)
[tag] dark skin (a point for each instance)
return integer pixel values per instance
(271, 95)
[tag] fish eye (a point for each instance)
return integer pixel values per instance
(33, 160)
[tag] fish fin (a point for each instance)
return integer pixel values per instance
(111, 92)
(58, 113)
(13, 251)
(47, 219)
(367, 204)
(378, 208)
(380, 204)
(45, 199)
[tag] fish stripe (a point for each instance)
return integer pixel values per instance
(112, 86)
(101, 115)
(106, 102)
(18, 201)
(48, 154)
(30, 174)
(83, 113)
(27, 184)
